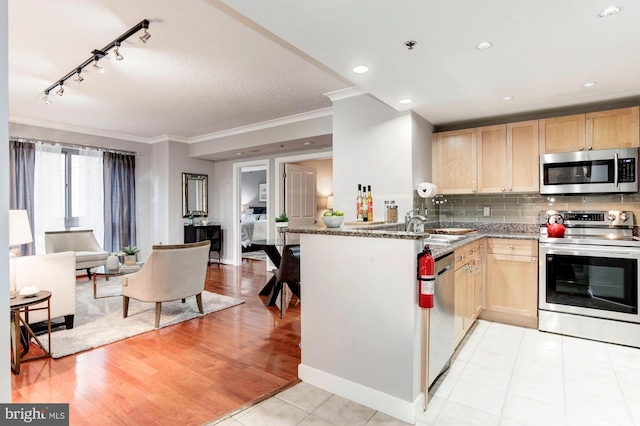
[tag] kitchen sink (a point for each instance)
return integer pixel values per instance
(443, 239)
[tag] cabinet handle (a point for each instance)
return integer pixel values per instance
(581, 149)
(590, 148)
(502, 189)
(510, 189)
(473, 190)
(511, 247)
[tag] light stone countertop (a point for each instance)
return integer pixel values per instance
(390, 231)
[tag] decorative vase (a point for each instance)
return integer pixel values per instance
(113, 262)
(130, 259)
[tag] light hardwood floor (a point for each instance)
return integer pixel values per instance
(185, 374)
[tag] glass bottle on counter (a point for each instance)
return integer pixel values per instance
(391, 212)
(365, 209)
(359, 203)
(369, 204)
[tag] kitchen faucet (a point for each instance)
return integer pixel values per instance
(414, 222)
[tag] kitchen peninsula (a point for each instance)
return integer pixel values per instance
(361, 325)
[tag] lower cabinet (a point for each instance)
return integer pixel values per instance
(512, 282)
(468, 290)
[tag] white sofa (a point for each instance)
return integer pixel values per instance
(89, 254)
(55, 272)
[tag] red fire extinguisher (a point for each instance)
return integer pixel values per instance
(426, 278)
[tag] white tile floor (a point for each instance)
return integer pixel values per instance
(500, 375)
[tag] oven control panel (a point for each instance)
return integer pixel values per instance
(590, 218)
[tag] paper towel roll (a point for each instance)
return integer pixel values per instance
(427, 189)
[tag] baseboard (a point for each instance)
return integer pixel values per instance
(506, 318)
(406, 411)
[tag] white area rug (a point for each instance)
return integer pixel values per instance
(257, 255)
(99, 322)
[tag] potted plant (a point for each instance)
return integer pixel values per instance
(282, 221)
(130, 256)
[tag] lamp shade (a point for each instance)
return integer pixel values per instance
(19, 228)
(330, 202)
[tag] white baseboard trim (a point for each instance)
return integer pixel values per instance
(406, 411)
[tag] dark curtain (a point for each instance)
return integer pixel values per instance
(119, 201)
(22, 159)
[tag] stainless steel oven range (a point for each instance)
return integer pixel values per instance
(589, 279)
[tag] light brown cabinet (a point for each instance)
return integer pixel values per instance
(508, 158)
(455, 161)
(468, 289)
(512, 282)
(616, 128)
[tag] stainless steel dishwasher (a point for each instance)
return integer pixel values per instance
(441, 334)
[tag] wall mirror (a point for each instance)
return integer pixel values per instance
(194, 194)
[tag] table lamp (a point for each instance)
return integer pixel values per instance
(19, 233)
(330, 202)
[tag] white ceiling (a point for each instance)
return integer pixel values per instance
(207, 68)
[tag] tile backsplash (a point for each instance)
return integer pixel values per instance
(518, 208)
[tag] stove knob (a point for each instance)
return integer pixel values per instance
(623, 217)
(611, 217)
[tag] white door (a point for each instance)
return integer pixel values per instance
(300, 195)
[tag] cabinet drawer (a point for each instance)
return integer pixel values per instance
(465, 254)
(512, 247)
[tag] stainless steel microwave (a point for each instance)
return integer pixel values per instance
(590, 172)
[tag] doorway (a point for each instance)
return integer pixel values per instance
(254, 195)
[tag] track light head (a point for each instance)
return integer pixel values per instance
(79, 79)
(116, 52)
(45, 98)
(60, 91)
(97, 67)
(146, 36)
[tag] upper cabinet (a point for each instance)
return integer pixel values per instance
(616, 128)
(508, 158)
(454, 162)
(562, 134)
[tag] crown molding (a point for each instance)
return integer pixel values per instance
(264, 125)
(77, 129)
(345, 93)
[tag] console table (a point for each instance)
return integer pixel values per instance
(213, 233)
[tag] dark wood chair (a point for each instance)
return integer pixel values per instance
(288, 272)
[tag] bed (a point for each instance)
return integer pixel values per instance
(253, 227)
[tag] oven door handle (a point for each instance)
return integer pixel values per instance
(581, 251)
(615, 168)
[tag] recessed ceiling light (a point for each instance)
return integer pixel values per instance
(484, 45)
(405, 101)
(609, 11)
(360, 69)
(589, 84)
(239, 153)
(307, 143)
(507, 98)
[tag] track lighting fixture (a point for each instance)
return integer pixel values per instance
(146, 36)
(97, 67)
(116, 52)
(96, 56)
(79, 78)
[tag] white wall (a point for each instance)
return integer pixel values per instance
(5, 372)
(372, 145)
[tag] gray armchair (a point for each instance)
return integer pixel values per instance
(172, 272)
